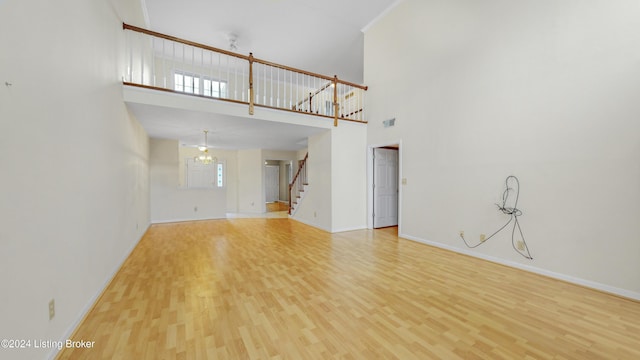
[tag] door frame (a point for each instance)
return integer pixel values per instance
(277, 179)
(263, 190)
(370, 168)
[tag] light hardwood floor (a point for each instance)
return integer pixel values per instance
(278, 289)
(277, 206)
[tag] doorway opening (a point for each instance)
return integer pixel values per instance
(277, 180)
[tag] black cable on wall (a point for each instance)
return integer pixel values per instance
(513, 213)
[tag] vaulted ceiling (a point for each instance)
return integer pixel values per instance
(320, 36)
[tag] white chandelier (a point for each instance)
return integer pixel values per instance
(204, 157)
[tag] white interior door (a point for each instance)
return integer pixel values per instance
(272, 183)
(385, 187)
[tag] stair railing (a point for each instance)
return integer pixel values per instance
(296, 188)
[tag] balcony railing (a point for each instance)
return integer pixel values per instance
(168, 63)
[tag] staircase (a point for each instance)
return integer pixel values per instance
(298, 186)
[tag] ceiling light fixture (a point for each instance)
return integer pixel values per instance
(233, 41)
(204, 157)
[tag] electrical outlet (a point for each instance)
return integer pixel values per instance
(52, 309)
(520, 245)
(462, 233)
(483, 237)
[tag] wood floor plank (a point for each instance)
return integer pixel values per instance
(278, 289)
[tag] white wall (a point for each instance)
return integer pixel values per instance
(547, 91)
(244, 191)
(171, 202)
(230, 160)
(300, 154)
(74, 183)
(348, 176)
(315, 209)
(250, 181)
(336, 198)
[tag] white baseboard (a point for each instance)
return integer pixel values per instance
(363, 227)
(168, 221)
(333, 231)
(571, 279)
(310, 224)
(67, 334)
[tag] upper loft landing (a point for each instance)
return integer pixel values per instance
(234, 81)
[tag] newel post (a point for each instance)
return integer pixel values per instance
(251, 84)
(336, 106)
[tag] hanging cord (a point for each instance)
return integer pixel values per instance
(513, 213)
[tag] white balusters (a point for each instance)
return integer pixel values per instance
(164, 65)
(256, 82)
(226, 89)
(271, 86)
(141, 63)
(156, 60)
(264, 84)
(285, 85)
(244, 90)
(130, 67)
